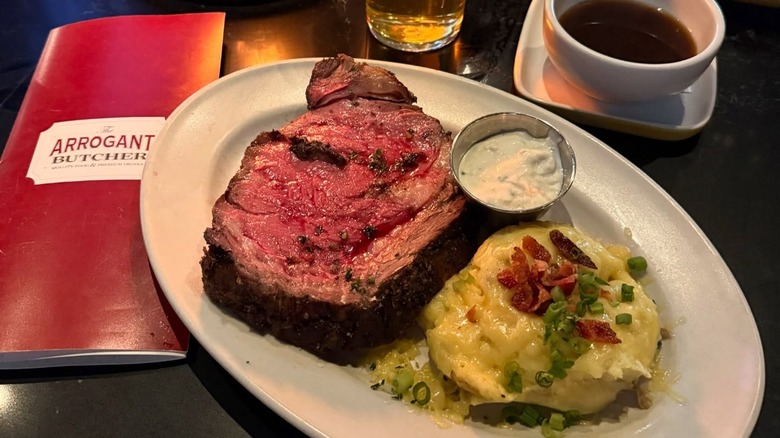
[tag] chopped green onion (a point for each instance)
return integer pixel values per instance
(529, 417)
(402, 381)
(589, 281)
(557, 421)
(581, 309)
(572, 416)
(556, 355)
(549, 432)
(588, 287)
(514, 378)
(515, 382)
(566, 326)
(589, 298)
(623, 318)
(626, 293)
(554, 339)
(557, 294)
(636, 264)
(544, 379)
(596, 308)
(579, 345)
(511, 414)
(559, 371)
(511, 367)
(421, 393)
(553, 312)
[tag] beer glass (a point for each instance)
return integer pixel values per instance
(415, 25)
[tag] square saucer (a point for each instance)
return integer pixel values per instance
(673, 117)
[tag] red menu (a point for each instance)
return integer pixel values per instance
(76, 287)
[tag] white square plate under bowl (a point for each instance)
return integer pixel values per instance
(674, 117)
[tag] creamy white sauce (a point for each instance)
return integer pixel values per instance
(512, 171)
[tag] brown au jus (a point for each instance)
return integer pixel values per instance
(629, 31)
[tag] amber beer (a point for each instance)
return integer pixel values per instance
(415, 25)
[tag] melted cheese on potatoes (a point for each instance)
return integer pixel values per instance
(473, 331)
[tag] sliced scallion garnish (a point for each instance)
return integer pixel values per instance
(511, 414)
(572, 416)
(588, 285)
(553, 312)
(402, 381)
(529, 417)
(557, 421)
(626, 293)
(421, 393)
(514, 380)
(596, 308)
(623, 319)
(544, 379)
(515, 383)
(566, 326)
(581, 308)
(557, 294)
(579, 345)
(636, 264)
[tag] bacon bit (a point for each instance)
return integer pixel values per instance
(543, 300)
(566, 268)
(507, 278)
(523, 298)
(563, 275)
(540, 267)
(562, 282)
(568, 249)
(537, 251)
(531, 284)
(471, 315)
(519, 266)
(597, 331)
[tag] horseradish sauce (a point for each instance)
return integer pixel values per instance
(512, 171)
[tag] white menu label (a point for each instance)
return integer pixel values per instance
(94, 150)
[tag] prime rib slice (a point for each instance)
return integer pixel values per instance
(341, 225)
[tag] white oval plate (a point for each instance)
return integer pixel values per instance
(716, 350)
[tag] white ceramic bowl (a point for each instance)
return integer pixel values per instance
(612, 79)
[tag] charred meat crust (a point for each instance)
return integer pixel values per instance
(316, 151)
(328, 329)
(341, 77)
(384, 201)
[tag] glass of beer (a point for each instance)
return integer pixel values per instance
(415, 25)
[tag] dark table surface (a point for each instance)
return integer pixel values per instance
(725, 177)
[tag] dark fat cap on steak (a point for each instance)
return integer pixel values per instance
(343, 78)
(339, 226)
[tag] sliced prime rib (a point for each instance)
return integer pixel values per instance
(339, 226)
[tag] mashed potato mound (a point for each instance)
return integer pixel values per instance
(473, 331)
